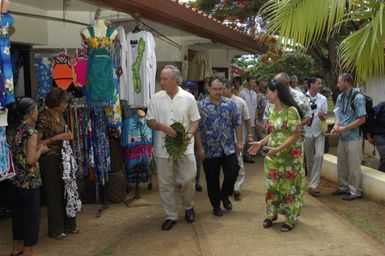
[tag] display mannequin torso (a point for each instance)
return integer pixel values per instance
(100, 30)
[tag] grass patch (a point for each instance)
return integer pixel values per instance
(362, 222)
(106, 252)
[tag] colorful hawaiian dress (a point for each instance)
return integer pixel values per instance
(6, 74)
(137, 139)
(44, 72)
(100, 79)
(284, 171)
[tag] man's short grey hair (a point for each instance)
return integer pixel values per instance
(294, 77)
(176, 75)
(283, 77)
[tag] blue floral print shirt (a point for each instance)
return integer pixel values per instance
(217, 126)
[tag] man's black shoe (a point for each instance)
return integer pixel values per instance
(351, 197)
(237, 195)
(189, 215)
(227, 204)
(167, 225)
(218, 212)
(340, 192)
(198, 187)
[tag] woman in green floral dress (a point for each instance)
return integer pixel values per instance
(283, 166)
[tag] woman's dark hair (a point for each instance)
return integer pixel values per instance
(56, 96)
(19, 110)
(284, 95)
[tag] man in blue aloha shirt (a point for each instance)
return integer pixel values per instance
(349, 151)
(216, 144)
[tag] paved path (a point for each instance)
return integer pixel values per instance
(136, 230)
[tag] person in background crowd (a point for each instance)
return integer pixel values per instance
(237, 82)
(260, 131)
(314, 143)
(25, 191)
(242, 109)
(294, 83)
(349, 151)
(173, 104)
(305, 85)
(283, 166)
(52, 131)
(216, 144)
(377, 136)
(250, 97)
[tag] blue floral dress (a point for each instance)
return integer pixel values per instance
(44, 77)
(6, 74)
(284, 171)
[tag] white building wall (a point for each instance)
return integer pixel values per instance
(376, 89)
(29, 30)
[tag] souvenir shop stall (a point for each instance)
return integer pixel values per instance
(6, 94)
(111, 78)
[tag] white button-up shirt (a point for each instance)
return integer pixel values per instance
(242, 109)
(322, 106)
(182, 108)
(250, 97)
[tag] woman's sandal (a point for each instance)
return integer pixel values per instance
(286, 227)
(268, 222)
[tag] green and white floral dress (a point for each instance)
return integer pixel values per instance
(284, 171)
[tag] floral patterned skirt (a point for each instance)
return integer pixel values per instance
(284, 175)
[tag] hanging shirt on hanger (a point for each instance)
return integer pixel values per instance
(141, 69)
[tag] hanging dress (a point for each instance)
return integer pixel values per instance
(6, 79)
(100, 79)
(137, 140)
(44, 73)
(80, 67)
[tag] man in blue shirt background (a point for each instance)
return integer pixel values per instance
(349, 152)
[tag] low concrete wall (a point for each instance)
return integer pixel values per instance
(373, 181)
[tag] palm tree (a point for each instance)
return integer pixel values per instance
(303, 23)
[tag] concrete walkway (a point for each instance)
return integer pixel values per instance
(136, 230)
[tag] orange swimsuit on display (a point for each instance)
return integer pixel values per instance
(62, 73)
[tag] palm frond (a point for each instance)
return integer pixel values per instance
(303, 21)
(363, 50)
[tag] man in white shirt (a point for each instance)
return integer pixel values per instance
(173, 104)
(248, 94)
(314, 143)
(242, 109)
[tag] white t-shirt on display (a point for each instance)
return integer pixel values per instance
(140, 70)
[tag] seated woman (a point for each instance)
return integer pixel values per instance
(283, 158)
(25, 191)
(52, 131)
